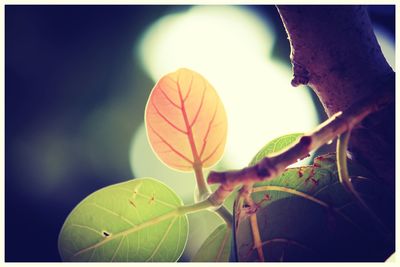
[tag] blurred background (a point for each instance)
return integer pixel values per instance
(77, 81)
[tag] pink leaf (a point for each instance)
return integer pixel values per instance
(186, 121)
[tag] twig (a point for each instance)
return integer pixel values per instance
(344, 178)
(335, 51)
(272, 166)
(204, 193)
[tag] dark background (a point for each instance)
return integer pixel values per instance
(73, 99)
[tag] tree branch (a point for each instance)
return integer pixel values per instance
(334, 50)
(273, 166)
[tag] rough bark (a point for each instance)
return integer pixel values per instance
(335, 52)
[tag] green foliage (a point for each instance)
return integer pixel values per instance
(216, 248)
(276, 145)
(135, 220)
(307, 215)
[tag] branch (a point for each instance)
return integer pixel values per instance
(334, 50)
(273, 166)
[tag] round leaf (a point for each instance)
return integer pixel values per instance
(274, 146)
(306, 215)
(186, 121)
(130, 221)
(217, 246)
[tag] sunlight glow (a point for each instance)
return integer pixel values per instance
(231, 47)
(387, 45)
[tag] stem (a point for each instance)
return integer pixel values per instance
(344, 178)
(205, 191)
(202, 205)
(225, 215)
(271, 167)
(202, 186)
(341, 147)
(256, 237)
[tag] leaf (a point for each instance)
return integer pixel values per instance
(276, 145)
(216, 248)
(307, 215)
(130, 221)
(186, 121)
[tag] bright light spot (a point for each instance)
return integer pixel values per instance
(387, 45)
(211, 40)
(230, 46)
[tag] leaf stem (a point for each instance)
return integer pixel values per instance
(256, 237)
(202, 186)
(344, 178)
(225, 215)
(205, 192)
(341, 148)
(202, 205)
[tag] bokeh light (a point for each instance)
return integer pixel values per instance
(386, 41)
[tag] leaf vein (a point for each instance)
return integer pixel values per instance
(224, 241)
(134, 229)
(113, 213)
(87, 227)
(208, 129)
(91, 255)
(166, 119)
(116, 250)
(179, 236)
(169, 99)
(147, 196)
(127, 248)
(214, 151)
(199, 109)
(188, 127)
(170, 146)
(162, 239)
(189, 90)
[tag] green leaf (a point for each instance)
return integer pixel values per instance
(306, 215)
(276, 145)
(130, 221)
(216, 248)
